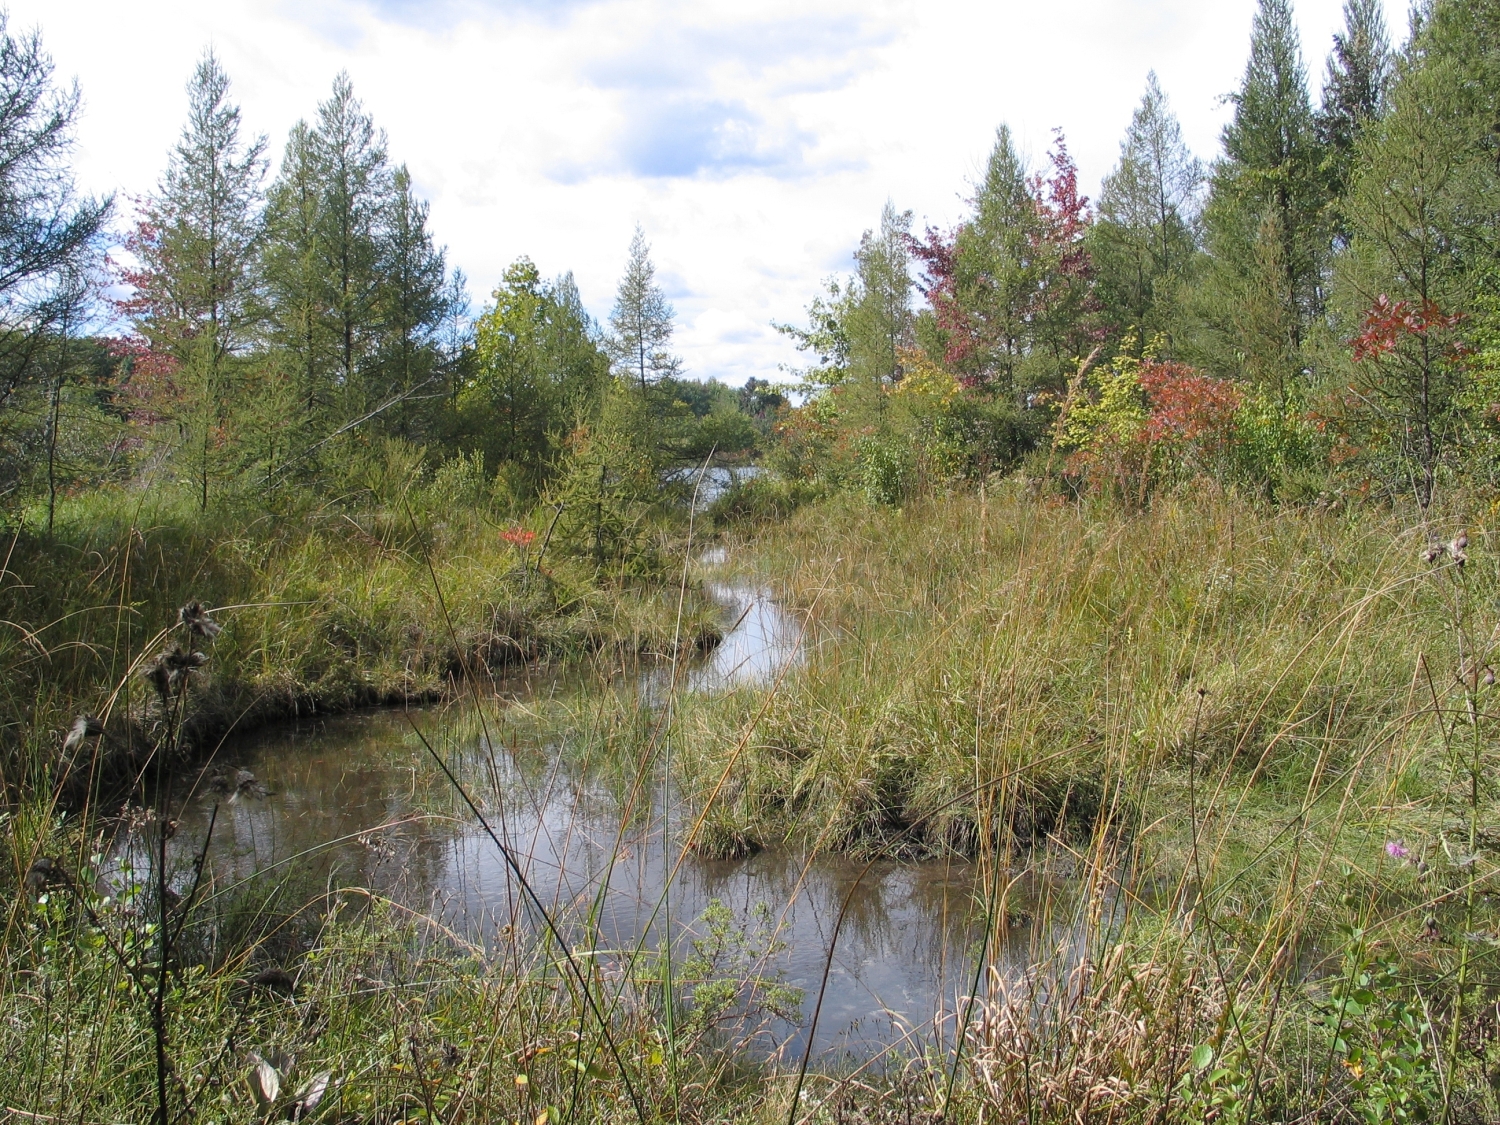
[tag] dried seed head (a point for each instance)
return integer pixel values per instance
(84, 727)
(1458, 549)
(1433, 553)
(195, 619)
(43, 873)
(1489, 676)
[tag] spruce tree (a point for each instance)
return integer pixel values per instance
(1145, 241)
(1264, 220)
(995, 273)
(411, 301)
(1356, 88)
(298, 289)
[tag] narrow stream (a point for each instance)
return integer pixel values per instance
(352, 802)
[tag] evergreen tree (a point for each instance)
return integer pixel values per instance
(1144, 243)
(1422, 239)
(994, 275)
(298, 290)
(48, 238)
(642, 321)
(194, 300)
(412, 300)
(356, 181)
(1264, 218)
(879, 323)
(1355, 91)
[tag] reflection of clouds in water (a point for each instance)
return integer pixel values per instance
(350, 796)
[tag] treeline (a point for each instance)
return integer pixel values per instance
(1311, 315)
(259, 338)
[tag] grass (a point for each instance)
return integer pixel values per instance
(328, 609)
(1253, 747)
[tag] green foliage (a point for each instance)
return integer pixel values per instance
(1381, 1036)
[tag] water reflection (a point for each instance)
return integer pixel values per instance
(355, 801)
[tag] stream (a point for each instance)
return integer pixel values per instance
(352, 801)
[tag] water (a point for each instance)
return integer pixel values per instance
(355, 801)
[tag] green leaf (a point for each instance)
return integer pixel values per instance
(1203, 1054)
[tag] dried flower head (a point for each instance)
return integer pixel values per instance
(43, 873)
(171, 667)
(1458, 549)
(1434, 552)
(195, 619)
(84, 727)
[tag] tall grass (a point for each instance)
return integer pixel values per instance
(1260, 740)
(1251, 747)
(331, 608)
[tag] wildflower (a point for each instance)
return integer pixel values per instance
(195, 619)
(1397, 849)
(518, 536)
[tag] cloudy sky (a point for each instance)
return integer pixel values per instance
(754, 142)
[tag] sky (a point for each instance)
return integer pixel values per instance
(752, 142)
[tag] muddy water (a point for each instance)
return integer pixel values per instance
(354, 801)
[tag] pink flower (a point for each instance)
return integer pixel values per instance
(1396, 849)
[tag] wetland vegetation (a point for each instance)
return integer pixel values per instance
(1070, 698)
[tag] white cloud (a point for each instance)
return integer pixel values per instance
(754, 144)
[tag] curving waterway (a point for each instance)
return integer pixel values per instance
(355, 801)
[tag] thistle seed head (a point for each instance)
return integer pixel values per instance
(195, 619)
(43, 873)
(84, 727)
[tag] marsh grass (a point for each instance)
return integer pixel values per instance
(1252, 748)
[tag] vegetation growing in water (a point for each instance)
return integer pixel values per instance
(1151, 542)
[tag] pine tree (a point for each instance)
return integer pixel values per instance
(411, 301)
(1265, 218)
(49, 238)
(642, 321)
(1356, 88)
(1145, 240)
(194, 299)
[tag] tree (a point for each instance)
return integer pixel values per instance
(642, 321)
(1265, 218)
(537, 374)
(411, 299)
(193, 298)
(879, 321)
(298, 290)
(1421, 213)
(48, 234)
(1145, 243)
(1011, 290)
(356, 182)
(1355, 93)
